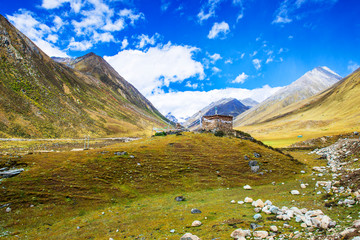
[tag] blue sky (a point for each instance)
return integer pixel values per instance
(182, 55)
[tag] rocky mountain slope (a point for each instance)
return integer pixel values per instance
(225, 106)
(311, 83)
(330, 112)
(42, 98)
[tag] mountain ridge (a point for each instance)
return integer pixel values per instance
(43, 98)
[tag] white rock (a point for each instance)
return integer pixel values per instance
(325, 222)
(302, 186)
(248, 200)
(348, 231)
(295, 192)
(273, 228)
(247, 187)
(261, 234)
(8, 209)
(240, 233)
(303, 225)
(189, 236)
(232, 201)
(196, 223)
(356, 224)
(268, 202)
(258, 203)
(240, 202)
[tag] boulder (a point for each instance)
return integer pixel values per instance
(261, 234)
(10, 173)
(257, 216)
(179, 198)
(195, 211)
(295, 192)
(257, 155)
(238, 233)
(248, 200)
(273, 228)
(258, 203)
(189, 236)
(247, 187)
(302, 186)
(325, 222)
(196, 223)
(255, 169)
(253, 163)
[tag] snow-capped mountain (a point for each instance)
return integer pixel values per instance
(225, 106)
(311, 83)
(171, 117)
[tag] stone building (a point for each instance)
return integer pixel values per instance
(217, 123)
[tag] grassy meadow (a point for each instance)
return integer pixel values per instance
(97, 194)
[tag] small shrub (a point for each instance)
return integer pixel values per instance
(160, 134)
(219, 134)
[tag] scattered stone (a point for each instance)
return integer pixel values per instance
(302, 186)
(120, 153)
(258, 203)
(233, 201)
(8, 209)
(248, 200)
(247, 187)
(179, 198)
(10, 173)
(239, 233)
(295, 192)
(254, 226)
(268, 202)
(273, 228)
(261, 234)
(189, 236)
(257, 216)
(257, 155)
(196, 223)
(303, 225)
(195, 211)
(240, 202)
(246, 157)
(253, 163)
(255, 169)
(172, 230)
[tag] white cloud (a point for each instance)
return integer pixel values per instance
(52, 38)
(229, 61)
(145, 40)
(164, 5)
(352, 66)
(215, 70)
(124, 43)
(215, 57)
(269, 60)
(257, 63)
(37, 32)
(242, 55)
(253, 54)
(52, 4)
(219, 30)
(208, 10)
(185, 104)
(194, 86)
(79, 46)
(291, 37)
(290, 10)
(103, 37)
(240, 78)
(110, 26)
(151, 69)
(130, 14)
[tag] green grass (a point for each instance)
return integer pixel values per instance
(74, 189)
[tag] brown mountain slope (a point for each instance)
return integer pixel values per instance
(332, 111)
(42, 98)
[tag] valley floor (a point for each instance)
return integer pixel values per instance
(108, 193)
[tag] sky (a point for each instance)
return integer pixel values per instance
(183, 55)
